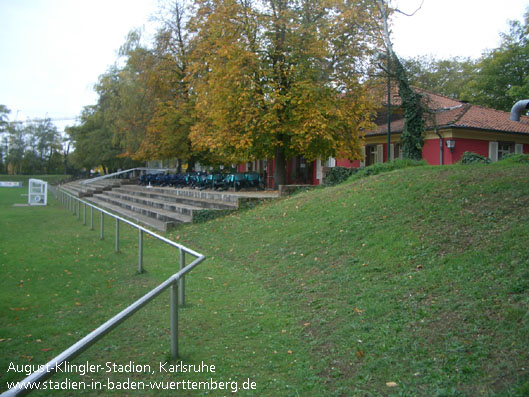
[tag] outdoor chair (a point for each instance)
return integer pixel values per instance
(177, 180)
(215, 181)
(237, 181)
(253, 180)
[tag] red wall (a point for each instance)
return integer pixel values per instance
(315, 181)
(347, 163)
(430, 154)
(430, 151)
(270, 173)
(465, 145)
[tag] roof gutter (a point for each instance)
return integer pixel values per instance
(451, 126)
(441, 141)
(518, 108)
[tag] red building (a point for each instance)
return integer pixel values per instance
(452, 128)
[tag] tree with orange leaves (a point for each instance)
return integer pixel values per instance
(282, 78)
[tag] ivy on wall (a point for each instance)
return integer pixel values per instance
(412, 137)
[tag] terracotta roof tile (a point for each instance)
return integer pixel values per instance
(435, 101)
(451, 113)
(491, 119)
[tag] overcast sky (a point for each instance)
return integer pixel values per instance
(52, 51)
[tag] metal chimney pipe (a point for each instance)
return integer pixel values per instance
(518, 108)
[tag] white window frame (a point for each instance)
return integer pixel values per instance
(493, 151)
(379, 156)
(504, 149)
(363, 162)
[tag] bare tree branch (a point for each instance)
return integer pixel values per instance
(413, 13)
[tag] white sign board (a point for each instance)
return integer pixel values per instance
(37, 192)
(10, 184)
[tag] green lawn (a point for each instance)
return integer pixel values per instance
(413, 282)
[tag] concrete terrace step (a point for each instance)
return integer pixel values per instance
(161, 208)
(105, 184)
(225, 197)
(146, 210)
(134, 216)
(181, 196)
(80, 189)
(73, 189)
(184, 209)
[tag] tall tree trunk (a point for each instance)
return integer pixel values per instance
(280, 169)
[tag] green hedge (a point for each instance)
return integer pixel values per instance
(338, 175)
(516, 158)
(473, 158)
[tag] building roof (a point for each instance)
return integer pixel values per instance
(450, 113)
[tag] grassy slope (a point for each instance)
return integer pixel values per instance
(419, 277)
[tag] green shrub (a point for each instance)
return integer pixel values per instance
(516, 158)
(396, 164)
(338, 175)
(473, 158)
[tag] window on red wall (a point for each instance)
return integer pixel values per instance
(504, 149)
(397, 151)
(371, 154)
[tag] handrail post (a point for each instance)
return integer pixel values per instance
(78, 209)
(140, 251)
(117, 235)
(84, 214)
(181, 281)
(102, 226)
(174, 320)
(91, 218)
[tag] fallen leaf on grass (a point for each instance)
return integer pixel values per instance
(391, 384)
(358, 310)
(289, 352)
(46, 349)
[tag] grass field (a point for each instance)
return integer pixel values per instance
(414, 282)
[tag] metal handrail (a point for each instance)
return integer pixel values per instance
(175, 282)
(114, 174)
(67, 199)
